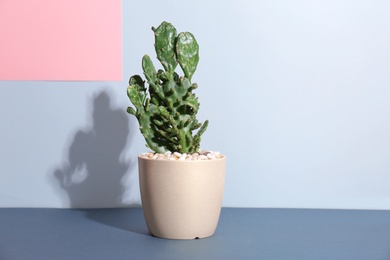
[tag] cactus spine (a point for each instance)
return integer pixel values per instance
(166, 111)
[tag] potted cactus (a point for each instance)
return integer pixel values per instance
(181, 186)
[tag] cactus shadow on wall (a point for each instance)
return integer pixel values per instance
(93, 172)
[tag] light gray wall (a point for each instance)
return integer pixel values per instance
(297, 94)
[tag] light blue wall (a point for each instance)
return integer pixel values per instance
(297, 94)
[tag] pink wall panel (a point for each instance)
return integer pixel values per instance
(60, 40)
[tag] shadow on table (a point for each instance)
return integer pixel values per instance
(94, 173)
(130, 219)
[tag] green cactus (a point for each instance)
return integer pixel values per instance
(166, 111)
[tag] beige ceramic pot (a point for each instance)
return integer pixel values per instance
(181, 199)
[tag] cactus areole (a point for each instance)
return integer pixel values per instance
(166, 110)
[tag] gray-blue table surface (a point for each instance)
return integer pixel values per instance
(29, 234)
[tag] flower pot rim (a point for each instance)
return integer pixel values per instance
(182, 161)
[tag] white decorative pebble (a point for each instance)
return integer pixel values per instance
(210, 156)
